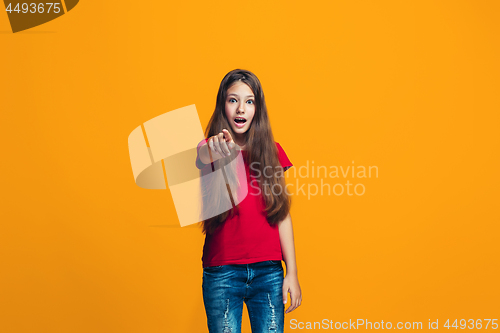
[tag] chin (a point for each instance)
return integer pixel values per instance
(241, 130)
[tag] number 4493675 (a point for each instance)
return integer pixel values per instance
(34, 8)
(472, 324)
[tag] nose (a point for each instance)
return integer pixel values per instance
(241, 108)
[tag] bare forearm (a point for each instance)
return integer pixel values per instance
(205, 154)
(288, 245)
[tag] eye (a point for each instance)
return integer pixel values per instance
(250, 100)
(232, 99)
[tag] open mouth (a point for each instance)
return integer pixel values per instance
(239, 121)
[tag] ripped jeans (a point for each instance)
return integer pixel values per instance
(259, 285)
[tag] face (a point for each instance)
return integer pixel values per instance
(240, 109)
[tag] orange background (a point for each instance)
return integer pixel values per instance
(410, 87)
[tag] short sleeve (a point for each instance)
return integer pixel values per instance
(284, 161)
(199, 163)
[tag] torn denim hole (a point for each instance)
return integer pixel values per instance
(273, 327)
(227, 328)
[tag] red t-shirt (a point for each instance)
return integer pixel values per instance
(246, 237)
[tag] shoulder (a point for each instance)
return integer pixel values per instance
(202, 142)
(199, 164)
(283, 157)
(280, 149)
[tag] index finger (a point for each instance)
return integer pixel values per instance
(293, 303)
(227, 135)
(228, 138)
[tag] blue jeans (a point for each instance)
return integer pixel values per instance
(259, 285)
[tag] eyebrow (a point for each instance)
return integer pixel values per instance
(238, 95)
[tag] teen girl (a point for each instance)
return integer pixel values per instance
(244, 246)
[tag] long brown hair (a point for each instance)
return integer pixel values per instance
(260, 147)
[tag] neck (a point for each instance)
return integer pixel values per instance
(239, 139)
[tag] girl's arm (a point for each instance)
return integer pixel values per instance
(291, 281)
(204, 154)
